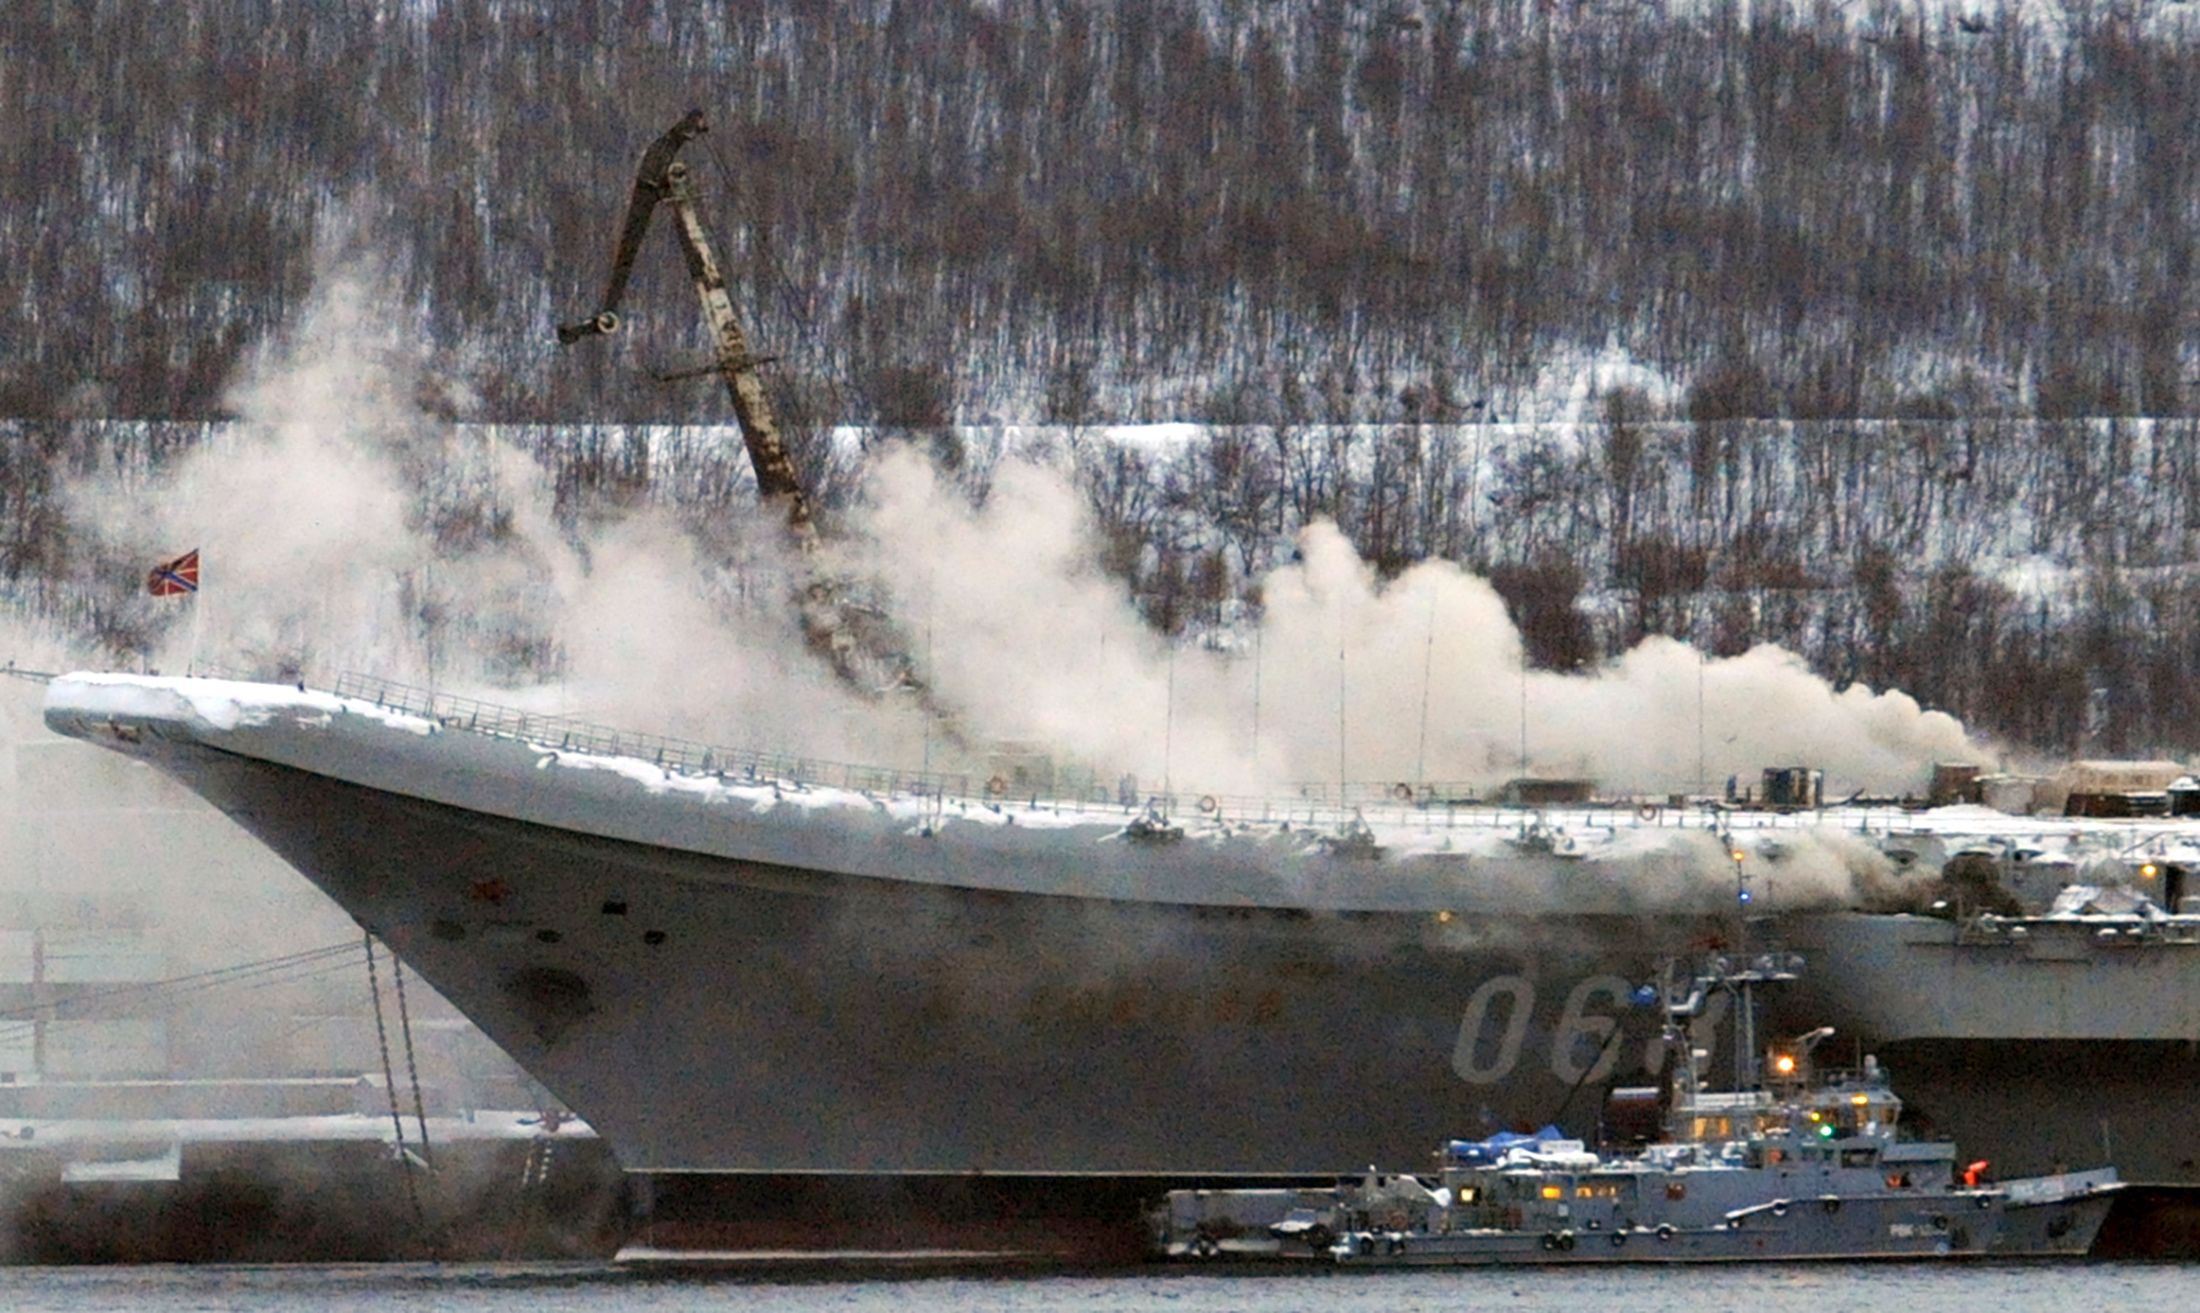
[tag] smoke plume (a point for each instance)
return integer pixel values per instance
(343, 525)
(1417, 680)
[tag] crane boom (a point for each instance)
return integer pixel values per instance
(859, 643)
(662, 178)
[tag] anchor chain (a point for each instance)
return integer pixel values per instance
(389, 1083)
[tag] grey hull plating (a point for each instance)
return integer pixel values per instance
(798, 1021)
(830, 991)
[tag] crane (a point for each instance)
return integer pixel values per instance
(857, 640)
(663, 178)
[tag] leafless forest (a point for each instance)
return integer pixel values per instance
(1920, 279)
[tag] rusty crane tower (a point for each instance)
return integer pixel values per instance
(855, 639)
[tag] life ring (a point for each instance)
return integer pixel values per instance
(1940, 1223)
(1566, 1241)
(996, 786)
(1831, 1205)
(1550, 1243)
(1647, 812)
(1402, 792)
(1205, 1246)
(1779, 1208)
(1665, 1231)
(1618, 1238)
(1208, 802)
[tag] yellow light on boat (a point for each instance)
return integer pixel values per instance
(1784, 1064)
(1553, 1192)
(2149, 871)
(1739, 854)
(1444, 917)
(1860, 1099)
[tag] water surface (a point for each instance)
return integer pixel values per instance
(538, 1288)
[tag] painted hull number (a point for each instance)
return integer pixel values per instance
(1584, 1042)
(1503, 1002)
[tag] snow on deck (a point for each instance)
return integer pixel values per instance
(220, 704)
(1701, 836)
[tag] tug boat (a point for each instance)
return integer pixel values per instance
(1795, 1162)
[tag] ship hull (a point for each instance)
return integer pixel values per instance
(741, 989)
(735, 1017)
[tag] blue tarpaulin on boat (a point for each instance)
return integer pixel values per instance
(1490, 1150)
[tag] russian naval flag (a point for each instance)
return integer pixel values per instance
(175, 578)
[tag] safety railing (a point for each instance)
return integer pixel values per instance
(1438, 806)
(1424, 807)
(686, 756)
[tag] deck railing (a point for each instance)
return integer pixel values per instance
(1439, 806)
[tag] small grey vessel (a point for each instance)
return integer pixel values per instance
(1795, 1163)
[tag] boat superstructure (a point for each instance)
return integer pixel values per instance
(1794, 1162)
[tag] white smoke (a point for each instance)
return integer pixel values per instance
(1417, 680)
(323, 520)
(340, 527)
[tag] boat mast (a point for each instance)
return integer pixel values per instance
(1738, 975)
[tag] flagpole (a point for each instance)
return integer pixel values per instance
(180, 577)
(198, 616)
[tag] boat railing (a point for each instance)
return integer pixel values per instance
(1325, 807)
(1436, 806)
(684, 756)
(1840, 1084)
(1314, 805)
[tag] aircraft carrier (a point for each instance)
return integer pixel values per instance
(743, 969)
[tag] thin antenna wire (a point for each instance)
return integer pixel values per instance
(1340, 708)
(1259, 634)
(1523, 709)
(1703, 780)
(433, 617)
(931, 584)
(1168, 733)
(1428, 663)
